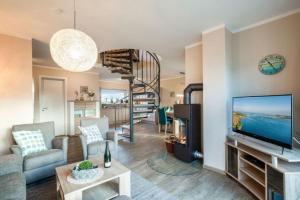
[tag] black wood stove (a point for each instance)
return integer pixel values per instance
(188, 142)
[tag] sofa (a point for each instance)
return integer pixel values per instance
(97, 148)
(37, 166)
(12, 180)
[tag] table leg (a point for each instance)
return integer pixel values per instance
(124, 184)
(57, 189)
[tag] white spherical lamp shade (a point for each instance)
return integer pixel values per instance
(73, 50)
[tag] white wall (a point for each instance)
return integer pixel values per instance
(230, 68)
(215, 96)
(74, 81)
(194, 69)
(16, 96)
(167, 86)
(281, 37)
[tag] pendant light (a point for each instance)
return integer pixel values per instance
(73, 50)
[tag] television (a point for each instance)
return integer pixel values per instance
(268, 118)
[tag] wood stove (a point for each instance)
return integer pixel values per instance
(188, 139)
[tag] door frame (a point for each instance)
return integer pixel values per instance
(65, 80)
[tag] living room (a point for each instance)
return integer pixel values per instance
(220, 62)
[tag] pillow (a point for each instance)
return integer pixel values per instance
(92, 133)
(30, 141)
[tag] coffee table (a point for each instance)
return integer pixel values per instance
(101, 189)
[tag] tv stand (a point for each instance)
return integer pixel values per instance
(264, 170)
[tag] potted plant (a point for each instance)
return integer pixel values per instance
(85, 170)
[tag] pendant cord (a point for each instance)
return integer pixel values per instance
(74, 25)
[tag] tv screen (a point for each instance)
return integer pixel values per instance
(268, 118)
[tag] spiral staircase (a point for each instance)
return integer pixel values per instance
(142, 70)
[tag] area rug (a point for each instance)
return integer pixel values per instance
(166, 163)
(141, 188)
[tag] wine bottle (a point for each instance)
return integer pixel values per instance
(107, 156)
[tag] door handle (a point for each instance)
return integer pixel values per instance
(44, 109)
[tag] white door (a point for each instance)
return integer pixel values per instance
(53, 102)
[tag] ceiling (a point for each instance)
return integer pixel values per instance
(161, 26)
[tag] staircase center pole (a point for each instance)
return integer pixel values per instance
(131, 111)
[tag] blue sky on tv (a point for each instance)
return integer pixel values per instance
(271, 105)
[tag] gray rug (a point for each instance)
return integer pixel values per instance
(140, 189)
(166, 163)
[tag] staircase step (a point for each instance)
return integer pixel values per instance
(117, 60)
(121, 71)
(117, 65)
(144, 99)
(128, 77)
(117, 55)
(143, 111)
(138, 85)
(143, 105)
(143, 93)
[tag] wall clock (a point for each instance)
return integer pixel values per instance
(271, 64)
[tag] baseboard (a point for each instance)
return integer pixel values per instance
(219, 171)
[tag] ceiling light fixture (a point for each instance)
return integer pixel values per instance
(73, 50)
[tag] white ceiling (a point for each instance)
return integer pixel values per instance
(161, 26)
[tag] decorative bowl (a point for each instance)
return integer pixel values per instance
(85, 173)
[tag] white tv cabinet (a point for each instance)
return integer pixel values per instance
(263, 169)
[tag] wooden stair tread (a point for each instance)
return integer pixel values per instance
(121, 71)
(144, 111)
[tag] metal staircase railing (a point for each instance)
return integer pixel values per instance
(142, 70)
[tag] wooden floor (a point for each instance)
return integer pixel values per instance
(205, 185)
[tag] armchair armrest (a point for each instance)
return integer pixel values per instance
(83, 140)
(10, 163)
(61, 142)
(112, 135)
(16, 149)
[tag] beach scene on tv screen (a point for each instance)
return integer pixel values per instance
(267, 116)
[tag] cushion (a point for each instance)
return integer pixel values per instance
(13, 186)
(44, 158)
(95, 148)
(30, 141)
(92, 133)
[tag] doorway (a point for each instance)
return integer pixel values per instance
(53, 102)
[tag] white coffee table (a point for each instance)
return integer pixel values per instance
(99, 188)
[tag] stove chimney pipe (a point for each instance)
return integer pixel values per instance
(189, 89)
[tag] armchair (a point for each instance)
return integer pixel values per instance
(42, 164)
(12, 180)
(96, 148)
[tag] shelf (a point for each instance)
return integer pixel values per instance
(257, 154)
(254, 188)
(231, 143)
(267, 149)
(107, 190)
(253, 173)
(253, 165)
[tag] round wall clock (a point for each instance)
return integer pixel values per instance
(271, 64)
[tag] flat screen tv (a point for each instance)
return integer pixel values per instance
(268, 118)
